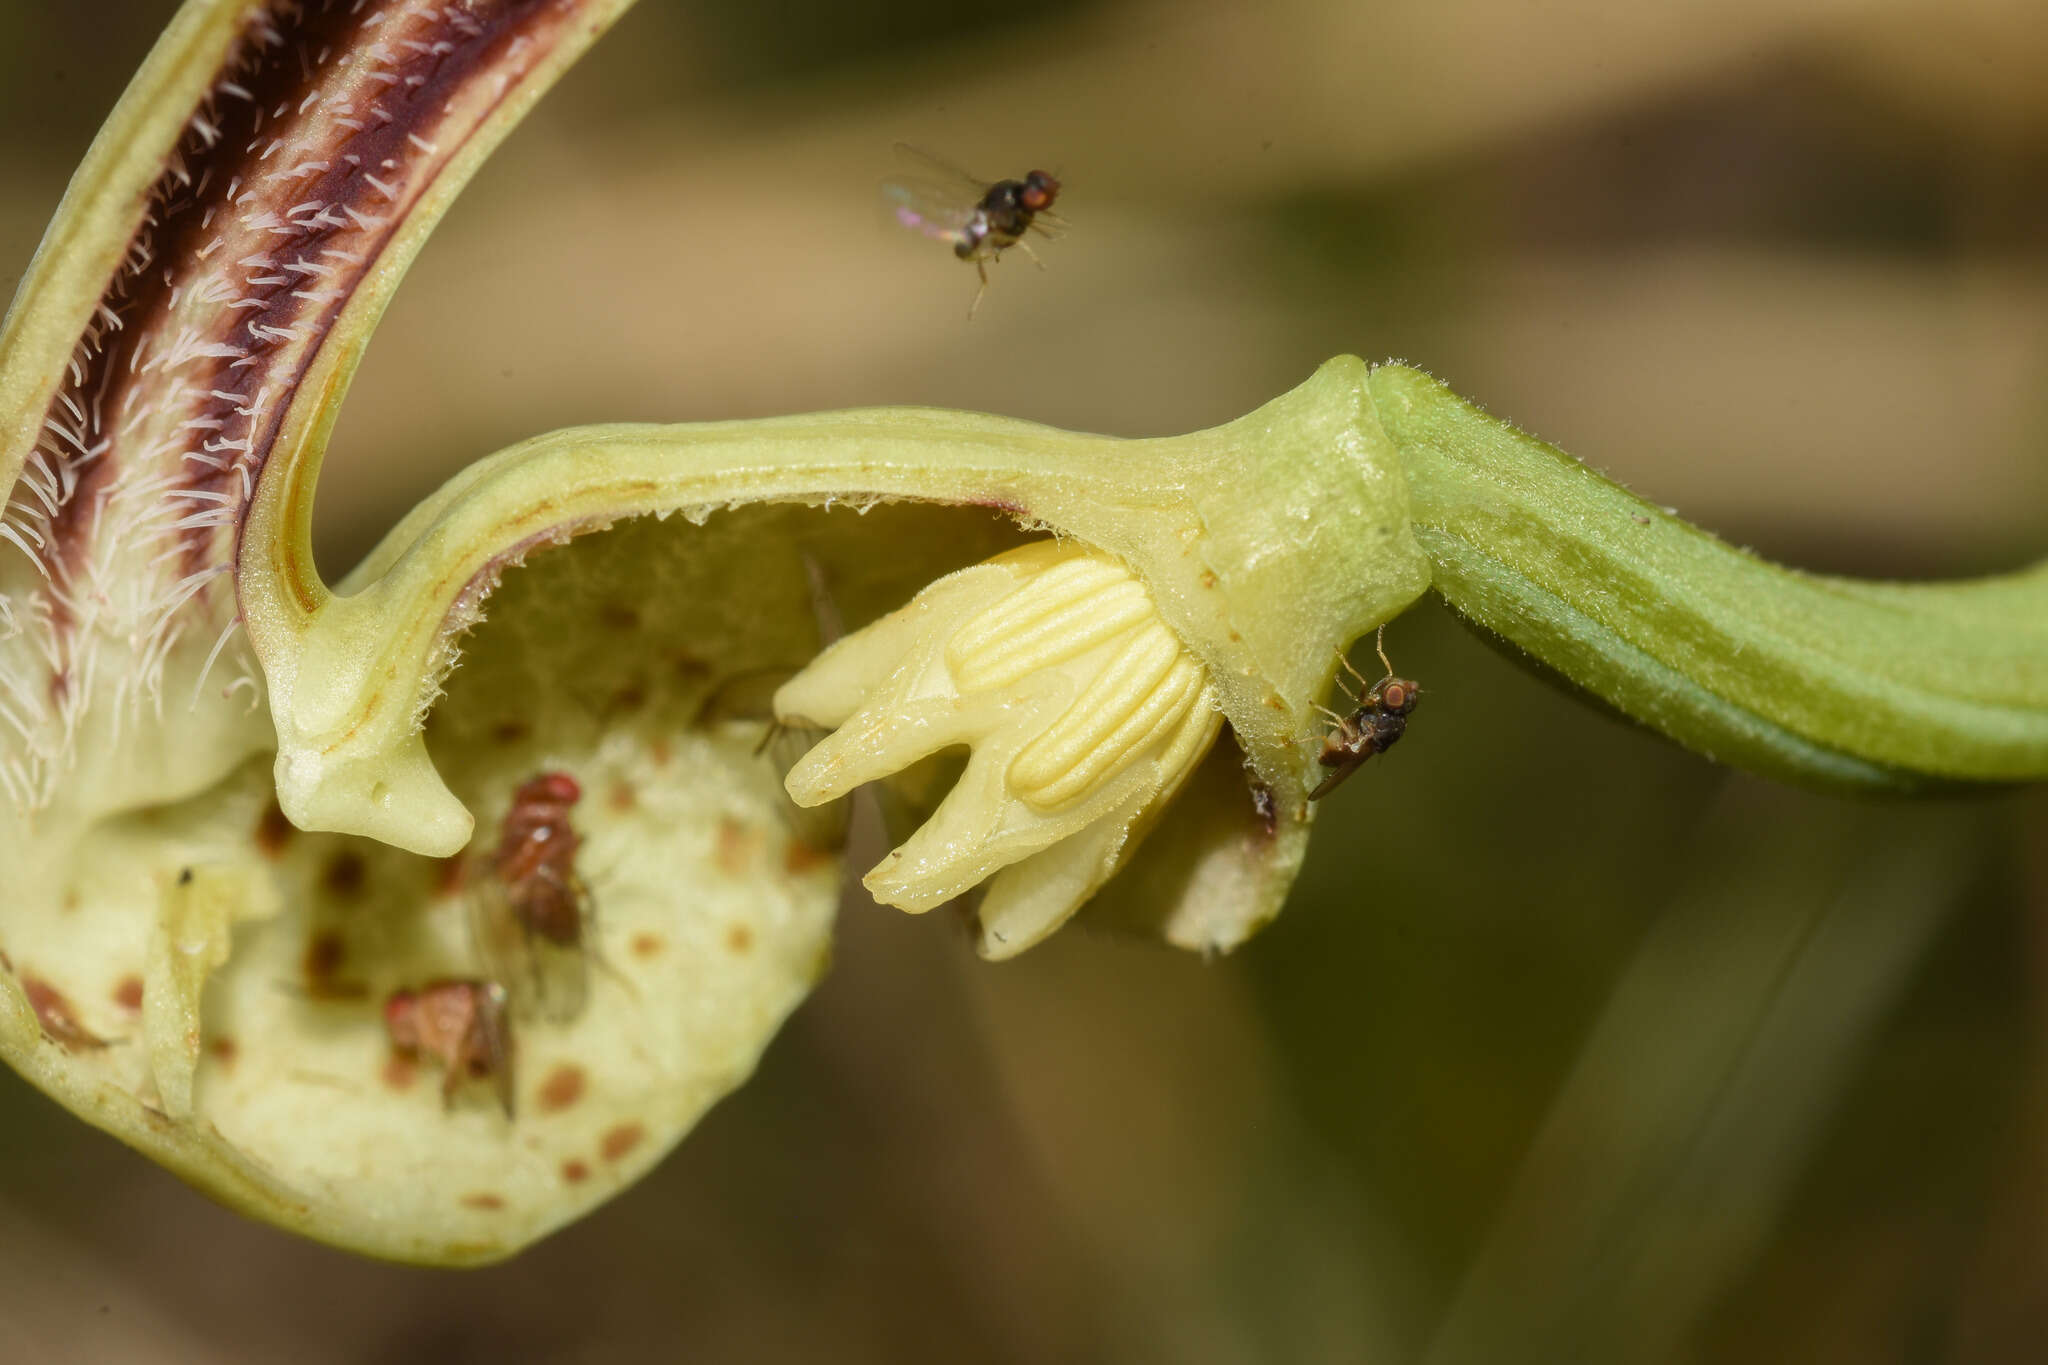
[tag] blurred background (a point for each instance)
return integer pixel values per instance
(1569, 1046)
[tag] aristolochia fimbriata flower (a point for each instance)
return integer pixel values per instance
(403, 798)
(1083, 711)
(220, 775)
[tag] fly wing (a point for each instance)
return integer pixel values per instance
(820, 828)
(932, 195)
(921, 164)
(494, 930)
(1336, 775)
(497, 1043)
(929, 208)
(542, 980)
(749, 697)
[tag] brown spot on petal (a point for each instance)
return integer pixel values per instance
(509, 731)
(324, 953)
(344, 874)
(739, 938)
(1208, 578)
(737, 845)
(575, 1172)
(622, 797)
(621, 1140)
(450, 874)
(618, 616)
(60, 1024)
(128, 993)
(799, 857)
(273, 831)
(562, 1088)
(659, 751)
(646, 945)
(223, 1050)
(484, 1200)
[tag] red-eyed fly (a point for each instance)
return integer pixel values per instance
(461, 1024)
(979, 219)
(531, 911)
(1380, 719)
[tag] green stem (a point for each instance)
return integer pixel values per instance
(1827, 681)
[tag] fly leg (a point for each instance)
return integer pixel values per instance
(1363, 685)
(1379, 644)
(981, 268)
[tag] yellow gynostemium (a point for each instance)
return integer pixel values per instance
(1084, 711)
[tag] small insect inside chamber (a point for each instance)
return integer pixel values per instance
(1378, 721)
(979, 219)
(461, 1024)
(532, 912)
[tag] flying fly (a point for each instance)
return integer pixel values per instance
(979, 219)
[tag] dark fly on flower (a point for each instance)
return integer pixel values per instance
(1380, 719)
(979, 219)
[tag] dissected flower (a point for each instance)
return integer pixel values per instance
(1084, 713)
(238, 805)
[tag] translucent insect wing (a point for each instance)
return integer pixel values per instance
(542, 980)
(491, 1004)
(928, 208)
(932, 196)
(921, 164)
(822, 828)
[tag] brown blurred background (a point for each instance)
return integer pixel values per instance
(1569, 1047)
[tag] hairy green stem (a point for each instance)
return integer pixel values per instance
(1820, 680)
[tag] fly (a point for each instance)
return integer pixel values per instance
(1380, 719)
(532, 911)
(462, 1025)
(979, 219)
